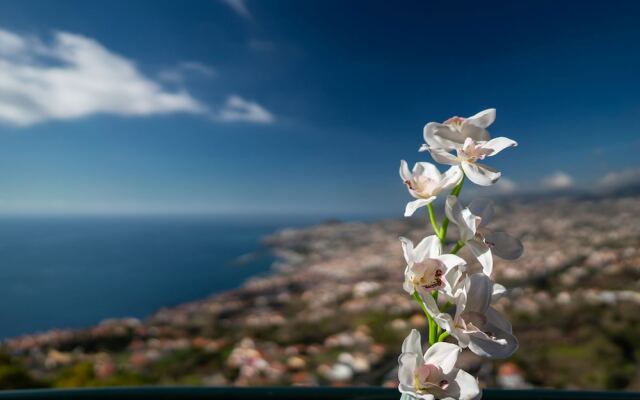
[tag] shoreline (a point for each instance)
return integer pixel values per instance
(333, 311)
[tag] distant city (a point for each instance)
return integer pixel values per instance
(333, 312)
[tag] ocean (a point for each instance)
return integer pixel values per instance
(72, 272)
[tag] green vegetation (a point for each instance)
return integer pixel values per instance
(14, 376)
(83, 375)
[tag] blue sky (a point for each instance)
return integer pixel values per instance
(301, 106)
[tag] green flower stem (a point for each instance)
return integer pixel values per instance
(457, 247)
(432, 218)
(422, 305)
(445, 223)
(432, 331)
(456, 190)
(443, 336)
(436, 327)
(439, 330)
(432, 324)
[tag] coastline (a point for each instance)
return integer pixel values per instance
(332, 312)
(74, 272)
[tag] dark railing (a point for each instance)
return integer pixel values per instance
(193, 393)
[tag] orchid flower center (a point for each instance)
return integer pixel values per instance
(472, 151)
(471, 321)
(481, 237)
(428, 274)
(429, 377)
(425, 185)
(455, 123)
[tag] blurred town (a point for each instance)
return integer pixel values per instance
(333, 312)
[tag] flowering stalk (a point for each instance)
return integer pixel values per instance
(459, 244)
(434, 222)
(429, 274)
(432, 324)
(445, 223)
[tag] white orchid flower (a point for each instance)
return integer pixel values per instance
(452, 133)
(472, 224)
(456, 280)
(425, 182)
(471, 142)
(476, 324)
(433, 375)
(426, 267)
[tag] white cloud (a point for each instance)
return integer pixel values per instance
(237, 109)
(75, 76)
(505, 186)
(558, 180)
(239, 7)
(185, 70)
(199, 68)
(619, 179)
(10, 43)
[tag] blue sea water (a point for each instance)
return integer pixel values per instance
(63, 272)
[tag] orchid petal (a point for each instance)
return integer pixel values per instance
(501, 346)
(504, 245)
(484, 209)
(483, 119)
(496, 145)
(429, 303)
(480, 174)
(463, 218)
(446, 322)
(443, 156)
(479, 289)
(498, 292)
(450, 260)
(428, 247)
(412, 206)
(412, 343)
(463, 386)
(407, 249)
(405, 174)
(452, 277)
(443, 355)
(497, 320)
(407, 285)
(410, 394)
(427, 169)
(442, 136)
(429, 135)
(483, 254)
(476, 133)
(451, 177)
(408, 362)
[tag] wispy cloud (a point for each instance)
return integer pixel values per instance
(186, 70)
(558, 180)
(239, 7)
(237, 109)
(75, 76)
